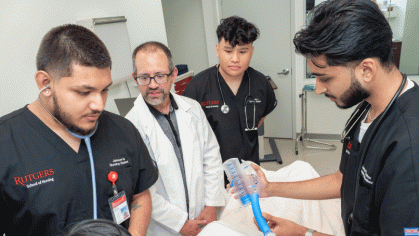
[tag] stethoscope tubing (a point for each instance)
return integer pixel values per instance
(245, 110)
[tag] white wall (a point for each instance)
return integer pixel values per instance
(212, 15)
(25, 22)
(396, 19)
(186, 33)
(409, 61)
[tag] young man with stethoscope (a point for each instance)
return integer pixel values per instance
(235, 97)
(348, 45)
(64, 159)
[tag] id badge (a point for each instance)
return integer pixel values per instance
(411, 231)
(119, 207)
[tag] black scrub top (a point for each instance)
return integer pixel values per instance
(46, 187)
(387, 199)
(229, 128)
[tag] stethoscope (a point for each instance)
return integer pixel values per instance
(89, 149)
(225, 108)
(362, 108)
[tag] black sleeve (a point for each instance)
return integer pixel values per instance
(271, 101)
(148, 168)
(191, 91)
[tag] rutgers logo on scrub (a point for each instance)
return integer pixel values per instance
(207, 103)
(35, 176)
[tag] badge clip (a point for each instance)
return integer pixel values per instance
(118, 203)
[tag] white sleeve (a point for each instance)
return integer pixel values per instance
(166, 213)
(215, 193)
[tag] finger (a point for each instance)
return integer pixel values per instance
(267, 216)
(254, 166)
(201, 222)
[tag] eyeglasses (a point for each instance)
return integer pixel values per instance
(146, 80)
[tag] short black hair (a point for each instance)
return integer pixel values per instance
(237, 31)
(98, 227)
(67, 44)
(347, 32)
(152, 46)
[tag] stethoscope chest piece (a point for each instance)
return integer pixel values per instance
(225, 109)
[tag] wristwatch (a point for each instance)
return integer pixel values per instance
(310, 232)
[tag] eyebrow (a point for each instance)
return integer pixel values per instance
(157, 72)
(240, 48)
(90, 87)
(318, 74)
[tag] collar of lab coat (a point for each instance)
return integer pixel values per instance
(149, 122)
(158, 140)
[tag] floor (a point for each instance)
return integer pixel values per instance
(325, 162)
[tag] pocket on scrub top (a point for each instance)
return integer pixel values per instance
(363, 218)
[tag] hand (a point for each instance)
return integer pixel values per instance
(263, 182)
(192, 227)
(283, 227)
(209, 214)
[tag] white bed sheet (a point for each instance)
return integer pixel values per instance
(321, 215)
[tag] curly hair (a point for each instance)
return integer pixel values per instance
(237, 31)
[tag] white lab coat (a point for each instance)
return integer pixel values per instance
(202, 160)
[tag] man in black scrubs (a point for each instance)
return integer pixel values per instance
(348, 45)
(235, 97)
(60, 153)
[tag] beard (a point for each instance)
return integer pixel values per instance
(353, 95)
(155, 101)
(65, 119)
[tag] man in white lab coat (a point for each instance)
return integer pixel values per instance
(182, 144)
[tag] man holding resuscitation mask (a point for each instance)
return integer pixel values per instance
(235, 97)
(348, 45)
(65, 159)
